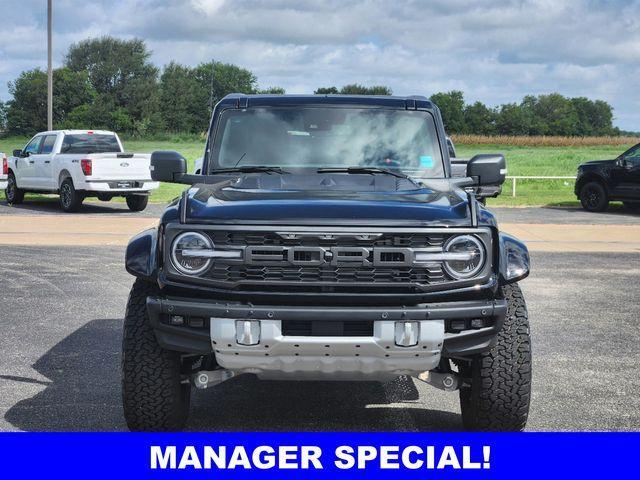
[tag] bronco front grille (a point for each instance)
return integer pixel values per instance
(325, 274)
(314, 259)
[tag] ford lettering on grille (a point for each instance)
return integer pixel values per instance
(335, 256)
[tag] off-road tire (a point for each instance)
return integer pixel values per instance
(498, 393)
(137, 203)
(153, 395)
(633, 206)
(13, 194)
(593, 197)
(70, 198)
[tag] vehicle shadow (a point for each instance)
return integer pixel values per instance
(51, 206)
(84, 395)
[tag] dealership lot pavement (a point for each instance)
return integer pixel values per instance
(543, 229)
(61, 317)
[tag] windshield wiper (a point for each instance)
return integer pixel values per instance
(369, 170)
(249, 169)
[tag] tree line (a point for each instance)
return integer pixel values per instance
(551, 114)
(111, 83)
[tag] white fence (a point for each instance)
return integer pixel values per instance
(514, 180)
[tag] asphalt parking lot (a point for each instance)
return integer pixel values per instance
(61, 317)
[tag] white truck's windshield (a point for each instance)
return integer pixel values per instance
(90, 143)
(319, 137)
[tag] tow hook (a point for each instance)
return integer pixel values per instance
(208, 378)
(448, 382)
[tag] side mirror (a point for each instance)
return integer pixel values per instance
(167, 166)
(487, 169)
(17, 153)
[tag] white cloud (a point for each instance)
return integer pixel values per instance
(495, 51)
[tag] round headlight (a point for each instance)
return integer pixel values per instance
(188, 253)
(467, 257)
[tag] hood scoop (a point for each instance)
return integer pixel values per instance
(324, 182)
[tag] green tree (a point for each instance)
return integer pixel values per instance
(272, 91)
(3, 116)
(221, 79)
(594, 117)
(479, 119)
(554, 114)
(189, 94)
(184, 98)
(357, 89)
(512, 119)
(27, 111)
(451, 106)
(379, 90)
(70, 90)
(101, 113)
(534, 123)
(121, 72)
(326, 91)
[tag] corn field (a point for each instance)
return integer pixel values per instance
(542, 141)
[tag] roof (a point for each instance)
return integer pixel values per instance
(391, 101)
(76, 132)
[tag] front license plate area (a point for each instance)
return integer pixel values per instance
(323, 328)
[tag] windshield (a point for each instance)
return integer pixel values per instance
(90, 143)
(329, 137)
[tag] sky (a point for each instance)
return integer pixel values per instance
(494, 51)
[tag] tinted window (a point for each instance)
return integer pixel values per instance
(297, 137)
(33, 146)
(633, 155)
(47, 144)
(89, 143)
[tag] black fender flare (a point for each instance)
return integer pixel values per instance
(591, 177)
(141, 258)
(514, 261)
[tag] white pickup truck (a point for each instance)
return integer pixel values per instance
(77, 164)
(4, 170)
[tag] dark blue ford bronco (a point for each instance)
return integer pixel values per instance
(326, 239)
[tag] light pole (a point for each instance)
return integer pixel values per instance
(49, 70)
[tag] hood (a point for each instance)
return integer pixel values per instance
(599, 162)
(328, 199)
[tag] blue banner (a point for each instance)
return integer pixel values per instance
(318, 455)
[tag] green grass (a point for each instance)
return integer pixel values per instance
(543, 161)
(540, 161)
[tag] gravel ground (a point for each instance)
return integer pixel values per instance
(61, 318)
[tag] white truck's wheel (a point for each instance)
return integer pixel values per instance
(70, 199)
(13, 194)
(137, 203)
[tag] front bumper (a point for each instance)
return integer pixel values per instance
(335, 357)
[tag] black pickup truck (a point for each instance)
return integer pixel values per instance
(307, 249)
(601, 181)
